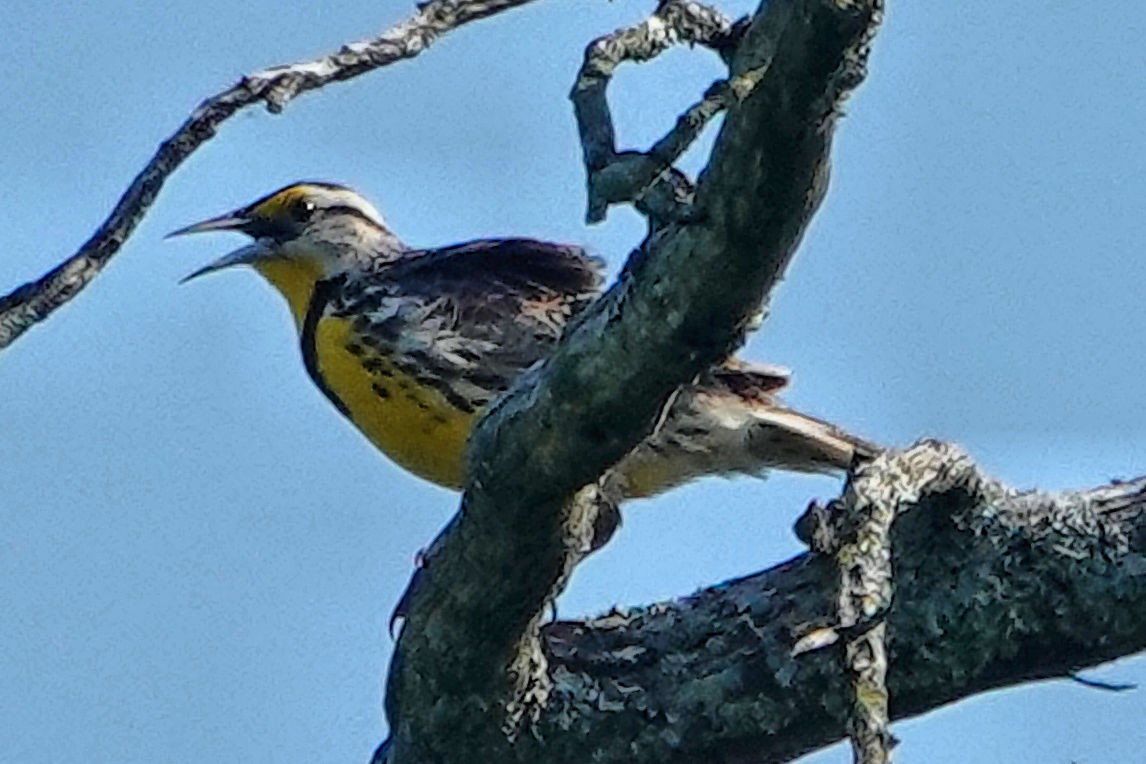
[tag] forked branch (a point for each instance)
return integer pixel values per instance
(682, 304)
(647, 179)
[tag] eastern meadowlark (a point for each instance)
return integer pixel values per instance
(411, 344)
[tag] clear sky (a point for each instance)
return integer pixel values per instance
(199, 556)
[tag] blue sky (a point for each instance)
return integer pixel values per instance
(199, 556)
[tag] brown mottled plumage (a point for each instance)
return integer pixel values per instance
(411, 344)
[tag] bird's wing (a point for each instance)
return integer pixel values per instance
(469, 319)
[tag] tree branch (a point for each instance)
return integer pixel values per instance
(856, 532)
(681, 305)
(646, 179)
(33, 302)
(993, 588)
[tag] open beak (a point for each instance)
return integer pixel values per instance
(242, 256)
(232, 221)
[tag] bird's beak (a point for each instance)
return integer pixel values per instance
(232, 221)
(242, 256)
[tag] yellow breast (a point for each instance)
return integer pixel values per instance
(411, 423)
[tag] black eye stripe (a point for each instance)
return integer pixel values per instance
(260, 228)
(291, 220)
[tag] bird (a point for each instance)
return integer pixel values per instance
(411, 344)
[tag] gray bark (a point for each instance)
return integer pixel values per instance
(469, 678)
(993, 588)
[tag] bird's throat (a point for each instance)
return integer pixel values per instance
(295, 278)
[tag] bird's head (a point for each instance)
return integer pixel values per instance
(321, 228)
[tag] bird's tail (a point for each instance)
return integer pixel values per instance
(730, 422)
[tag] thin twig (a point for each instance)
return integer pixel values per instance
(647, 179)
(275, 87)
(1098, 684)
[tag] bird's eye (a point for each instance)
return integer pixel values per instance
(302, 210)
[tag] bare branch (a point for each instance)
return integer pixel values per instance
(856, 531)
(993, 588)
(647, 179)
(880, 491)
(33, 302)
(683, 303)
